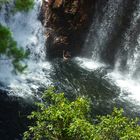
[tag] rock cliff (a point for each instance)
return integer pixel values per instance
(66, 23)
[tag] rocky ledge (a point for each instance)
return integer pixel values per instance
(66, 23)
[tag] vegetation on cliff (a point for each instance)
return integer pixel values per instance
(20, 5)
(57, 118)
(8, 47)
(25, 5)
(3, 1)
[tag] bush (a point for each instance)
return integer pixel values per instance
(24, 5)
(3, 1)
(59, 119)
(117, 127)
(20, 5)
(9, 48)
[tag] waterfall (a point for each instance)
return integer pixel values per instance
(113, 44)
(126, 71)
(108, 70)
(29, 34)
(114, 41)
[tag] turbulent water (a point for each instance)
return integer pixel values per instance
(114, 41)
(108, 70)
(113, 44)
(29, 34)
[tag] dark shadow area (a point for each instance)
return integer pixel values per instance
(13, 116)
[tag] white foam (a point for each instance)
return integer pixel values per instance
(29, 34)
(127, 85)
(88, 64)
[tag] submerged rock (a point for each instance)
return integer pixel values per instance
(66, 22)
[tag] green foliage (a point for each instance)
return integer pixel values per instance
(20, 5)
(9, 48)
(24, 5)
(118, 127)
(59, 119)
(55, 116)
(3, 1)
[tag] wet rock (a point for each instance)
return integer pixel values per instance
(66, 23)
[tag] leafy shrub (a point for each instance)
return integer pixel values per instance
(3, 1)
(9, 48)
(117, 127)
(59, 119)
(24, 5)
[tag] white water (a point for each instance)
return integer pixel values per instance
(128, 79)
(88, 64)
(102, 27)
(29, 34)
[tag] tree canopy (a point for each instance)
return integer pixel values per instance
(8, 46)
(24, 5)
(20, 5)
(57, 118)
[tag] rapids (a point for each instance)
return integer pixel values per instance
(28, 31)
(112, 44)
(107, 71)
(114, 41)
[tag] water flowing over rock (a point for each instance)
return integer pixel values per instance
(114, 41)
(28, 31)
(107, 35)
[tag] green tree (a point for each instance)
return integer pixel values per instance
(24, 5)
(3, 1)
(117, 127)
(20, 5)
(8, 47)
(57, 118)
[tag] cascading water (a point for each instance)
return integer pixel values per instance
(111, 57)
(29, 34)
(114, 42)
(126, 71)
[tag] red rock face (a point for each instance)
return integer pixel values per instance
(66, 22)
